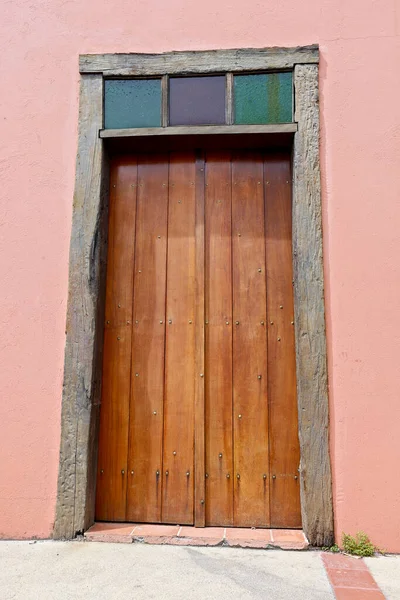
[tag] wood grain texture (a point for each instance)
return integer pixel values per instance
(200, 374)
(250, 407)
(147, 381)
(282, 401)
(311, 365)
(178, 487)
(114, 412)
(218, 281)
(208, 61)
(85, 321)
(198, 130)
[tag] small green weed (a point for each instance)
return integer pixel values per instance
(334, 548)
(359, 545)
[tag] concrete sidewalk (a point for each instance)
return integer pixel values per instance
(81, 570)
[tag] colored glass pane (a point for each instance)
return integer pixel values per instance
(262, 99)
(132, 103)
(197, 100)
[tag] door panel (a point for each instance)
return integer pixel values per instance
(250, 407)
(178, 467)
(147, 382)
(114, 414)
(284, 446)
(199, 274)
(218, 352)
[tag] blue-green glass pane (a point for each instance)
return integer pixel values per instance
(250, 99)
(132, 103)
(263, 99)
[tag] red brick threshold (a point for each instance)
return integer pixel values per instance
(350, 578)
(287, 539)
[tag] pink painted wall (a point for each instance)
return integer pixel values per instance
(360, 91)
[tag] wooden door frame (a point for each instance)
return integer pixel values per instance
(87, 266)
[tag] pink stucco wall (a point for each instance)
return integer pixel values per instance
(360, 119)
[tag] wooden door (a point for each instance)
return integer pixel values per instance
(198, 417)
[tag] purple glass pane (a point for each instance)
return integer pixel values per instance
(197, 100)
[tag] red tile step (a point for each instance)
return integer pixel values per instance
(350, 578)
(287, 539)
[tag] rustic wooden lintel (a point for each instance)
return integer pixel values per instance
(208, 61)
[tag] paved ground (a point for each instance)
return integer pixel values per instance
(386, 572)
(79, 570)
(101, 571)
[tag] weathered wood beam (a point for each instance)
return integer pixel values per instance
(311, 363)
(198, 130)
(208, 61)
(84, 330)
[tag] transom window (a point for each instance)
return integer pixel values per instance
(228, 99)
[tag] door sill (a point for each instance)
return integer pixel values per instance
(176, 535)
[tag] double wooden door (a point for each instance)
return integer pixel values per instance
(198, 421)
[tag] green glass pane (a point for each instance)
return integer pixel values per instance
(279, 98)
(262, 99)
(132, 103)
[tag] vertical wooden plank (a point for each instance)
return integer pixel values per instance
(229, 99)
(178, 455)
(114, 413)
(164, 101)
(250, 409)
(283, 436)
(147, 381)
(219, 442)
(200, 374)
(311, 361)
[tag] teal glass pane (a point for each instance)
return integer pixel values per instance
(263, 99)
(132, 103)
